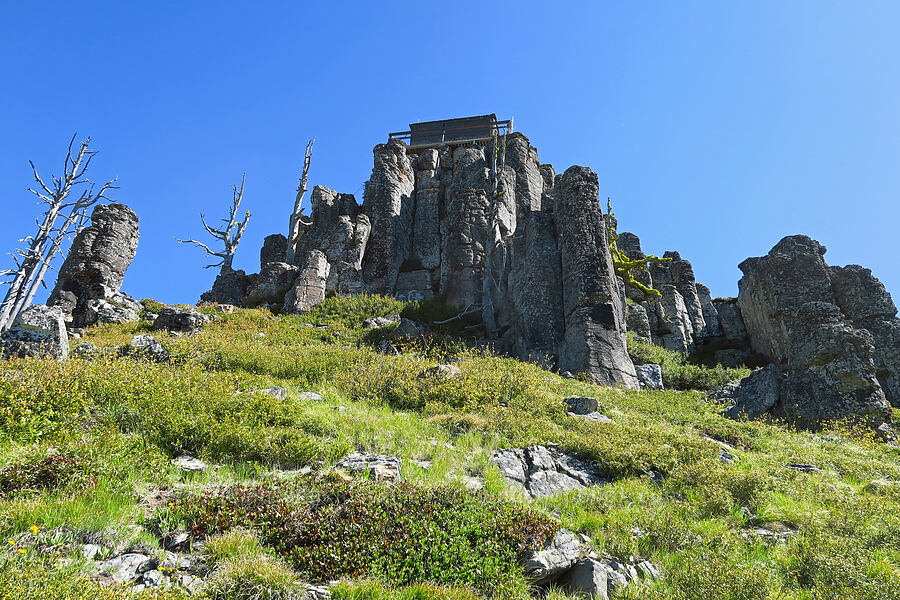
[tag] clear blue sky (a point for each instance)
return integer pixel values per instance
(716, 127)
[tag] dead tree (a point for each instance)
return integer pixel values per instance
(230, 235)
(492, 241)
(67, 199)
(297, 215)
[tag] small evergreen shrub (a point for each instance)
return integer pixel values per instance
(328, 529)
(40, 473)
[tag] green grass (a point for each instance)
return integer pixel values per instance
(115, 423)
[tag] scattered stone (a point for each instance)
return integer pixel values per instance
(473, 483)
(275, 391)
(582, 406)
(385, 347)
(556, 557)
(440, 372)
(188, 463)
(91, 551)
(37, 331)
(650, 376)
(125, 568)
(726, 457)
(545, 470)
(804, 468)
(311, 396)
(379, 466)
(596, 417)
(176, 540)
(184, 320)
(147, 347)
(380, 321)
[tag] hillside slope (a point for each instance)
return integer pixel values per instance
(724, 509)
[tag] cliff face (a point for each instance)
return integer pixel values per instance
(422, 230)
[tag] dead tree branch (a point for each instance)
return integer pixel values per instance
(230, 235)
(297, 215)
(63, 217)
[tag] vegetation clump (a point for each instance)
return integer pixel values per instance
(328, 528)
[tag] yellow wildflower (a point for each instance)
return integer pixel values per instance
(21, 550)
(34, 529)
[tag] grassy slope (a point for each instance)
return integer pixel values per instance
(119, 421)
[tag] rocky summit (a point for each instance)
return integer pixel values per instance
(471, 385)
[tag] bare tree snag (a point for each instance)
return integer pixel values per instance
(65, 215)
(229, 235)
(297, 214)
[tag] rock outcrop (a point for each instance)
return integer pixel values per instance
(422, 231)
(811, 321)
(96, 264)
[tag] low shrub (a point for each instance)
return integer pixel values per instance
(40, 473)
(404, 534)
(679, 371)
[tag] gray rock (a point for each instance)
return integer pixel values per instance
(790, 309)
(152, 579)
(183, 320)
(594, 417)
(147, 347)
(650, 376)
(389, 204)
(110, 311)
(413, 286)
(752, 396)
(587, 578)
(385, 347)
(310, 285)
(674, 328)
(556, 557)
(712, 326)
(380, 321)
(803, 467)
(274, 249)
(379, 466)
(311, 396)
(582, 406)
(270, 287)
(636, 320)
(124, 568)
(229, 287)
(36, 331)
(275, 391)
(730, 319)
(440, 372)
(546, 470)
(186, 462)
(96, 263)
(595, 325)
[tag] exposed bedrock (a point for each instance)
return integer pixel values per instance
(95, 266)
(594, 320)
(813, 322)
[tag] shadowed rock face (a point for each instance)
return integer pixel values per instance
(96, 263)
(812, 321)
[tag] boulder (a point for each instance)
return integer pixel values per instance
(96, 263)
(147, 347)
(38, 330)
(752, 396)
(379, 466)
(183, 320)
(556, 557)
(581, 406)
(587, 578)
(546, 470)
(650, 376)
